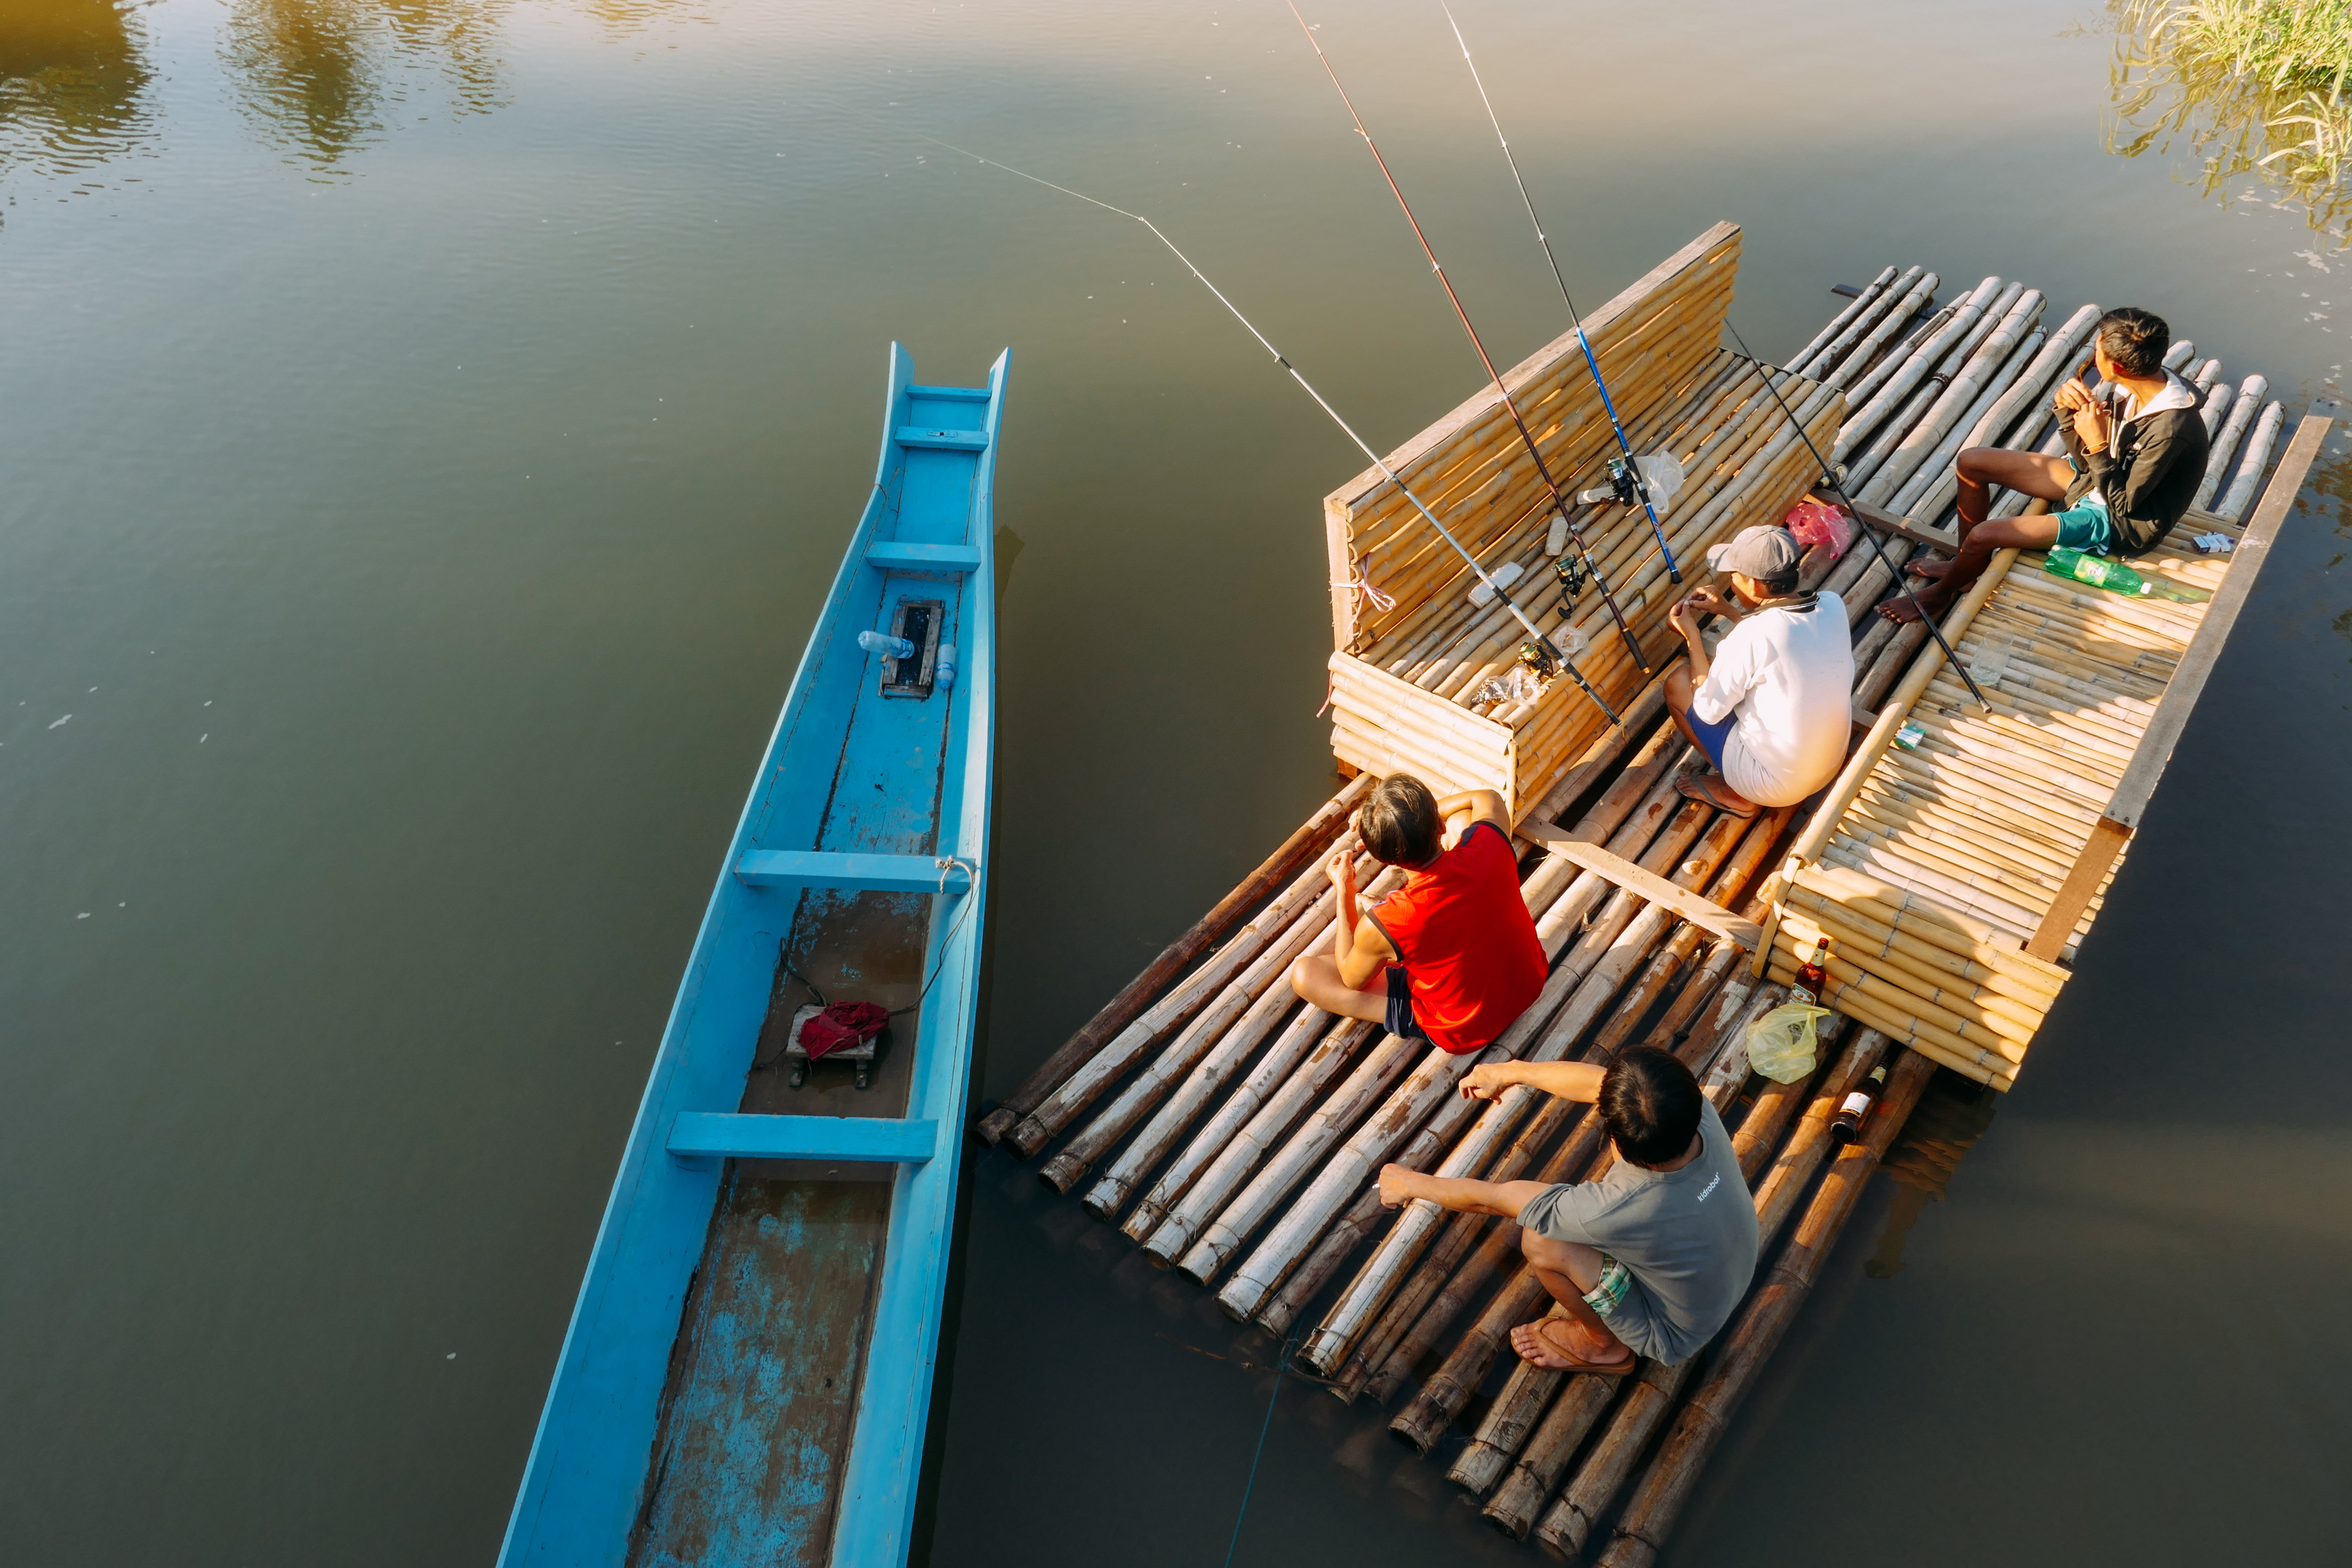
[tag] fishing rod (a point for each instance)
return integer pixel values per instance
(1830, 483)
(1630, 477)
(1559, 500)
(1549, 653)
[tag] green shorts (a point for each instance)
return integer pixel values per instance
(2085, 528)
(1607, 1296)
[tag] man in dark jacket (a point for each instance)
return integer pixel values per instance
(2132, 467)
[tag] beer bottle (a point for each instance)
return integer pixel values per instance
(1846, 1125)
(1812, 977)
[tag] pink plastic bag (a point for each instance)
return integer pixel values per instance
(1818, 522)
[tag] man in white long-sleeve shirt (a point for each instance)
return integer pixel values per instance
(1771, 706)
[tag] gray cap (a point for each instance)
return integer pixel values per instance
(1763, 551)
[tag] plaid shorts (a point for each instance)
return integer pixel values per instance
(1605, 1297)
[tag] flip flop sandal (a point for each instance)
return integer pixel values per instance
(1702, 787)
(1619, 1368)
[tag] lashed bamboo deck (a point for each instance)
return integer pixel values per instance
(1233, 1132)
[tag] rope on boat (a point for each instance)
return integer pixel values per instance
(1633, 643)
(1362, 581)
(1641, 483)
(1308, 387)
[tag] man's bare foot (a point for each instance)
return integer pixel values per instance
(1903, 609)
(1929, 569)
(1563, 1344)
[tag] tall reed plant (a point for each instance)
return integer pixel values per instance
(2253, 86)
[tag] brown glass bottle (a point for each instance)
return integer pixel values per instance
(1846, 1125)
(1812, 977)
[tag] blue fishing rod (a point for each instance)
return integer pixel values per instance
(1626, 475)
(1551, 654)
(1593, 565)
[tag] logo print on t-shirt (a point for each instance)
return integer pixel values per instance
(1711, 1186)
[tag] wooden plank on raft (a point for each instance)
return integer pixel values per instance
(2190, 675)
(2133, 791)
(1700, 911)
(1895, 524)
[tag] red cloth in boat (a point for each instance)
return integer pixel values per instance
(841, 1025)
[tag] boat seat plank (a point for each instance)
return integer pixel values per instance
(946, 440)
(951, 394)
(872, 873)
(1702, 912)
(891, 555)
(716, 1136)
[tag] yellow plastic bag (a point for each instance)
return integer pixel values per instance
(1781, 1045)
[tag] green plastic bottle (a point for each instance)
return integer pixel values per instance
(2117, 578)
(2099, 572)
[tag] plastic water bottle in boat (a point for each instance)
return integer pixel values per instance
(943, 668)
(2112, 575)
(883, 643)
(1854, 1109)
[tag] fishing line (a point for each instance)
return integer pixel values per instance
(1559, 500)
(1552, 650)
(1281, 1367)
(1829, 483)
(1634, 467)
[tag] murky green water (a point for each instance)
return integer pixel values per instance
(430, 428)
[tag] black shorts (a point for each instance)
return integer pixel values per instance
(1401, 1020)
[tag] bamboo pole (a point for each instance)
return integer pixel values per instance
(1884, 393)
(1305, 846)
(1119, 1179)
(1113, 1060)
(2249, 475)
(2224, 445)
(1978, 376)
(1865, 306)
(1658, 1502)
(1247, 1012)
(1853, 371)
(1569, 1524)
(1188, 1195)
(1548, 1448)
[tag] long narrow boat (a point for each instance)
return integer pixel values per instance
(748, 1370)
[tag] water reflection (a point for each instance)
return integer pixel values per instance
(2242, 95)
(325, 76)
(1949, 1119)
(73, 84)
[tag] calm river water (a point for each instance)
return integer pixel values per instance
(430, 428)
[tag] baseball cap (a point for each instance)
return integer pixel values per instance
(1765, 550)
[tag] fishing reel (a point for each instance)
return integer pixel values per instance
(1572, 575)
(1537, 655)
(1624, 487)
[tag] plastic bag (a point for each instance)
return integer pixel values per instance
(1817, 524)
(1781, 1045)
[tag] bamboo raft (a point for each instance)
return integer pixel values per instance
(1233, 1133)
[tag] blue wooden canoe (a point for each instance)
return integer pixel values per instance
(748, 1370)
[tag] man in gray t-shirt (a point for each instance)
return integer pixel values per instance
(1648, 1260)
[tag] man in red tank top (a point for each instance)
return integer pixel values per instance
(1452, 957)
